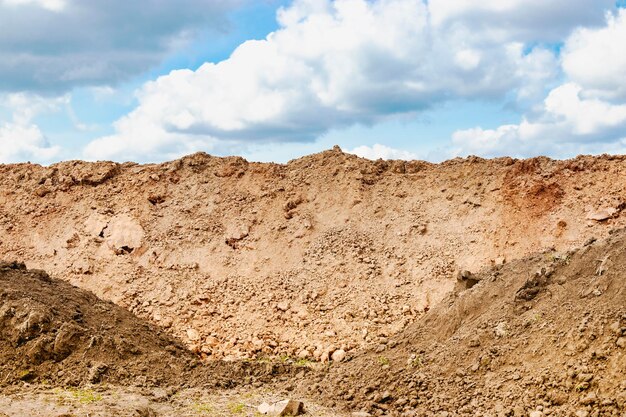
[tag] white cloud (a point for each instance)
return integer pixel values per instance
(20, 143)
(24, 107)
(568, 125)
(330, 65)
(20, 138)
(378, 151)
(596, 59)
(586, 114)
(52, 5)
(511, 19)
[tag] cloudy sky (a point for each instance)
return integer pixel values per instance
(272, 80)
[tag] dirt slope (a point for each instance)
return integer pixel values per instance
(539, 336)
(328, 251)
(55, 334)
(52, 331)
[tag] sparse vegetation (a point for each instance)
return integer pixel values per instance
(237, 408)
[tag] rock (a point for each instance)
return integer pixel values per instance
(96, 372)
(145, 412)
(338, 356)
(304, 354)
(535, 414)
(123, 234)
(474, 341)
(236, 233)
(288, 408)
(193, 335)
(582, 413)
(621, 342)
(602, 214)
(589, 399)
(500, 330)
(282, 408)
(360, 414)
(283, 306)
(265, 408)
(615, 327)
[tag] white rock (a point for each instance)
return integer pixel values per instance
(123, 233)
(339, 355)
(282, 408)
(601, 214)
(283, 306)
(288, 408)
(501, 330)
(193, 335)
(265, 409)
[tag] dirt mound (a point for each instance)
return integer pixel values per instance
(54, 333)
(545, 335)
(329, 251)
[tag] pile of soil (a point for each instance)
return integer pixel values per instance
(57, 334)
(330, 251)
(545, 335)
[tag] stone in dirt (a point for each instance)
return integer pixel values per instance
(602, 214)
(282, 408)
(338, 355)
(123, 234)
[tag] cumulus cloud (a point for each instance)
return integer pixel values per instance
(20, 138)
(378, 151)
(507, 20)
(56, 45)
(53, 5)
(332, 64)
(596, 59)
(20, 143)
(586, 114)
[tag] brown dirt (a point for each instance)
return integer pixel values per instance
(242, 260)
(330, 252)
(544, 334)
(54, 333)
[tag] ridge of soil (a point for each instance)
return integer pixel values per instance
(330, 251)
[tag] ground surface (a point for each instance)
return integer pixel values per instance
(344, 282)
(107, 401)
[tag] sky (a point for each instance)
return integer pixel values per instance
(273, 80)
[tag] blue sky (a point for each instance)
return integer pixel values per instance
(274, 80)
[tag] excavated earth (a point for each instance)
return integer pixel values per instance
(241, 260)
(544, 335)
(423, 289)
(54, 333)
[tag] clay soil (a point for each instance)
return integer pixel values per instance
(335, 279)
